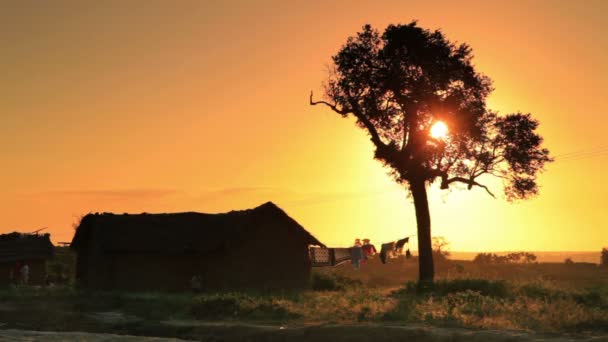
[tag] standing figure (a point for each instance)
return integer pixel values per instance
(25, 274)
(356, 254)
(368, 249)
(195, 283)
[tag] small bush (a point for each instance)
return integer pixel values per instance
(511, 258)
(593, 297)
(536, 291)
(364, 314)
(238, 305)
(403, 311)
(215, 306)
(604, 257)
(471, 303)
(333, 282)
(270, 310)
(493, 288)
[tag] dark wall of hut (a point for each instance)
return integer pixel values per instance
(24, 248)
(261, 262)
(259, 248)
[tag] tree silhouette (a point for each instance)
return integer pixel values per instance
(398, 84)
(440, 248)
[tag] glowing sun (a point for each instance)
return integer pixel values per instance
(439, 130)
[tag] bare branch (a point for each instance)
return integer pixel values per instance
(342, 111)
(469, 182)
(362, 118)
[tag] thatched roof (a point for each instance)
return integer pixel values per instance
(18, 246)
(185, 232)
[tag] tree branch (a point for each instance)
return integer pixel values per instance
(470, 182)
(362, 118)
(342, 111)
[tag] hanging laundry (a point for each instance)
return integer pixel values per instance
(393, 249)
(341, 255)
(399, 244)
(321, 256)
(386, 251)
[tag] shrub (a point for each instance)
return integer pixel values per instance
(537, 291)
(492, 288)
(484, 258)
(215, 306)
(404, 309)
(471, 303)
(511, 258)
(332, 282)
(238, 305)
(593, 297)
(604, 257)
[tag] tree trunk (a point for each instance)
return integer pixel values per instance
(423, 219)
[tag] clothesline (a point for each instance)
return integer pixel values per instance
(341, 245)
(334, 256)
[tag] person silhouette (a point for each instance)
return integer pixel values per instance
(356, 254)
(25, 274)
(368, 249)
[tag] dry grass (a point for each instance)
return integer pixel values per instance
(399, 271)
(553, 298)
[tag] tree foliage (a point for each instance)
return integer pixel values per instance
(399, 83)
(440, 248)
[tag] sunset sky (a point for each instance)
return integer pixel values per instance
(163, 106)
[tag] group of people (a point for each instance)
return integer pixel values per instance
(360, 252)
(20, 273)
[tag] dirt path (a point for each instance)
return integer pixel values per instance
(10, 335)
(217, 331)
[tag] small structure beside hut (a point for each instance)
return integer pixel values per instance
(22, 248)
(260, 248)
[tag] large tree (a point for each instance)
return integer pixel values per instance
(399, 85)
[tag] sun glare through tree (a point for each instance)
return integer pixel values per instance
(439, 130)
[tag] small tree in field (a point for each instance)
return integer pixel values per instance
(407, 88)
(440, 248)
(604, 257)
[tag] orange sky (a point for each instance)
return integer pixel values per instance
(159, 106)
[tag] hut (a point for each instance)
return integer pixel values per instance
(259, 248)
(30, 249)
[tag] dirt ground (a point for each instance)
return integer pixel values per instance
(330, 333)
(51, 336)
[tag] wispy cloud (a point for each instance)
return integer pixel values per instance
(225, 196)
(286, 196)
(114, 194)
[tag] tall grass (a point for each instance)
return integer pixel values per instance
(481, 303)
(522, 297)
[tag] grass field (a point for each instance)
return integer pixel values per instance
(539, 298)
